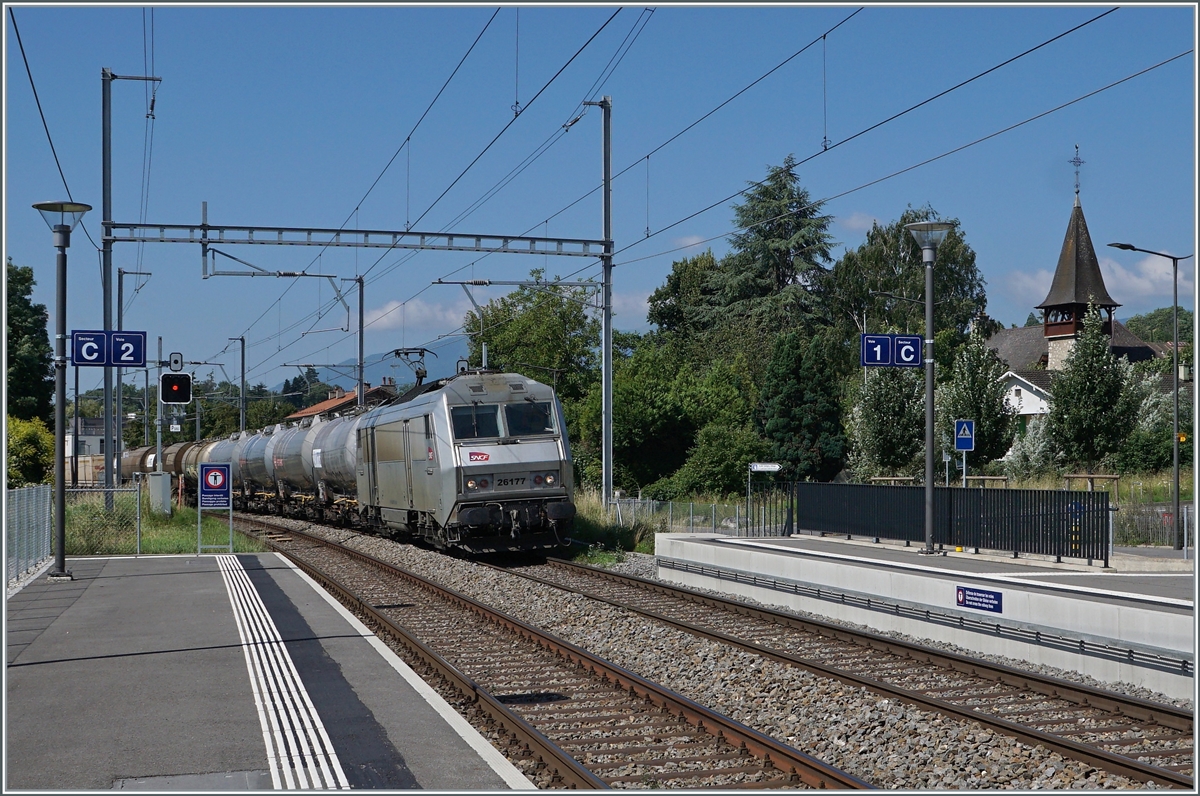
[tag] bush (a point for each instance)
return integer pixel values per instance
(30, 453)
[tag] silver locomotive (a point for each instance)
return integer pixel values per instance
(478, 461)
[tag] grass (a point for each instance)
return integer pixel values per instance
(1132, 487)
(92, 529)
(600, 541)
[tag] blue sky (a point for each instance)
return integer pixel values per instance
(286, 116)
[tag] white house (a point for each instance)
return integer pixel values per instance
(1027, 392)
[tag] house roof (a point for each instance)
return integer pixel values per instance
(1035, 378)
(1077, 279)
(374, 394)
(1022, 349)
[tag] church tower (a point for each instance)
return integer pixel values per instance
(1077, 281)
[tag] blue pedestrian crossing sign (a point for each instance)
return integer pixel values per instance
(964, 435)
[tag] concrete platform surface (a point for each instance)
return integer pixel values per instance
(197, 673)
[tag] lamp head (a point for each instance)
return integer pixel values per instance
(1129, 247)
(929, 234)
(66, 214)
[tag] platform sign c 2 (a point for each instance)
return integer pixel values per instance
(979, 599)
(215, 489)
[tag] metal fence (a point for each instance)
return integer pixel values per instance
(29, 523)
(679, 517)
(103, 521)
(1033, 521)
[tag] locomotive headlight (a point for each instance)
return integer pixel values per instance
(537, 480)
(550, 479)
(471, 484)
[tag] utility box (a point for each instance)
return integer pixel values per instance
(159, 485)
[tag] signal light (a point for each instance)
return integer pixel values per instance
(175, 388)
(1182, 437)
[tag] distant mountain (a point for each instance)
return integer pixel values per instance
(384, 364)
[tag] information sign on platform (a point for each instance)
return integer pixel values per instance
(215, 489)
(979, 599)
(890, 350)
(964, 435)
(100, 349)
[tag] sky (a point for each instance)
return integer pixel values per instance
(290, 116)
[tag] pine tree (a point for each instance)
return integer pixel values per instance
(1091, 412)
(801, 411)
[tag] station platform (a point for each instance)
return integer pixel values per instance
(219, 672)
(1133, 622)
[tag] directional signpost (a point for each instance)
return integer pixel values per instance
(964, 440)
(215, 492)
(891, 350)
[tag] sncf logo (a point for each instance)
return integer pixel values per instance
(475, 456)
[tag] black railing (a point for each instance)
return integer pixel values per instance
(1033, 521)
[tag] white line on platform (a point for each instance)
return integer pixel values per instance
(511, 775)
(1099, 575)
(297, 744)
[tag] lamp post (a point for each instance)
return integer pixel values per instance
(1176, 526)
(61, 217)
(929, 235)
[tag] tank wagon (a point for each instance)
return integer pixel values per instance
(479, 461)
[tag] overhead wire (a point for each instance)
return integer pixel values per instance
(406, 143)
(42, 114)
(609, 68)
(907, 169)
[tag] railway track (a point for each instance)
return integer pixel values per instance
(589, 722)
(1134, 737)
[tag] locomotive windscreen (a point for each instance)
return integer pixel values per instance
(528, 419)
(475, 421)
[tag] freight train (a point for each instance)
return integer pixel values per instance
(478, 461)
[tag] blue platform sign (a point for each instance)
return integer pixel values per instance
(907, 351)
(89, 348)
(979, 599)
(100, 349)
(876, 349)
(127, 349)
(215, 489)
(964, 435)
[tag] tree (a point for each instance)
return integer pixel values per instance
(1032, 453)
(776, 257)
(890, 262)
(674, 306)
(1158, 326)
(1033, 320)
(30, 454)
(975, 392)
(30, 365)
(801, 414)
(1091, 412)
(716, 465)
(887, 423)
(542, 331)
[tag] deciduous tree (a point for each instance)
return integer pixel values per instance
(974, 392)
(30, 371)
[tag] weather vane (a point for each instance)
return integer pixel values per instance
(1076, 162)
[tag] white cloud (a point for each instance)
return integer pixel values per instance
(1147, 282)
(688, 241)
(857, 222)
(415, 315)
(629, 311)
(1143, 286)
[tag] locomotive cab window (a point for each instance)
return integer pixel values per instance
(477, 421)
(529, 419)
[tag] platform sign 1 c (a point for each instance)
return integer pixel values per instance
(964, 435)
(891, 350)
(215, 489)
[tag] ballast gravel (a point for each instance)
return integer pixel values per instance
(888, 743)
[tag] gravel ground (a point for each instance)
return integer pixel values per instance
(889, 743)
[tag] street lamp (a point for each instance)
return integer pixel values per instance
(929, 235)
(61, 217)
(1176, 525)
